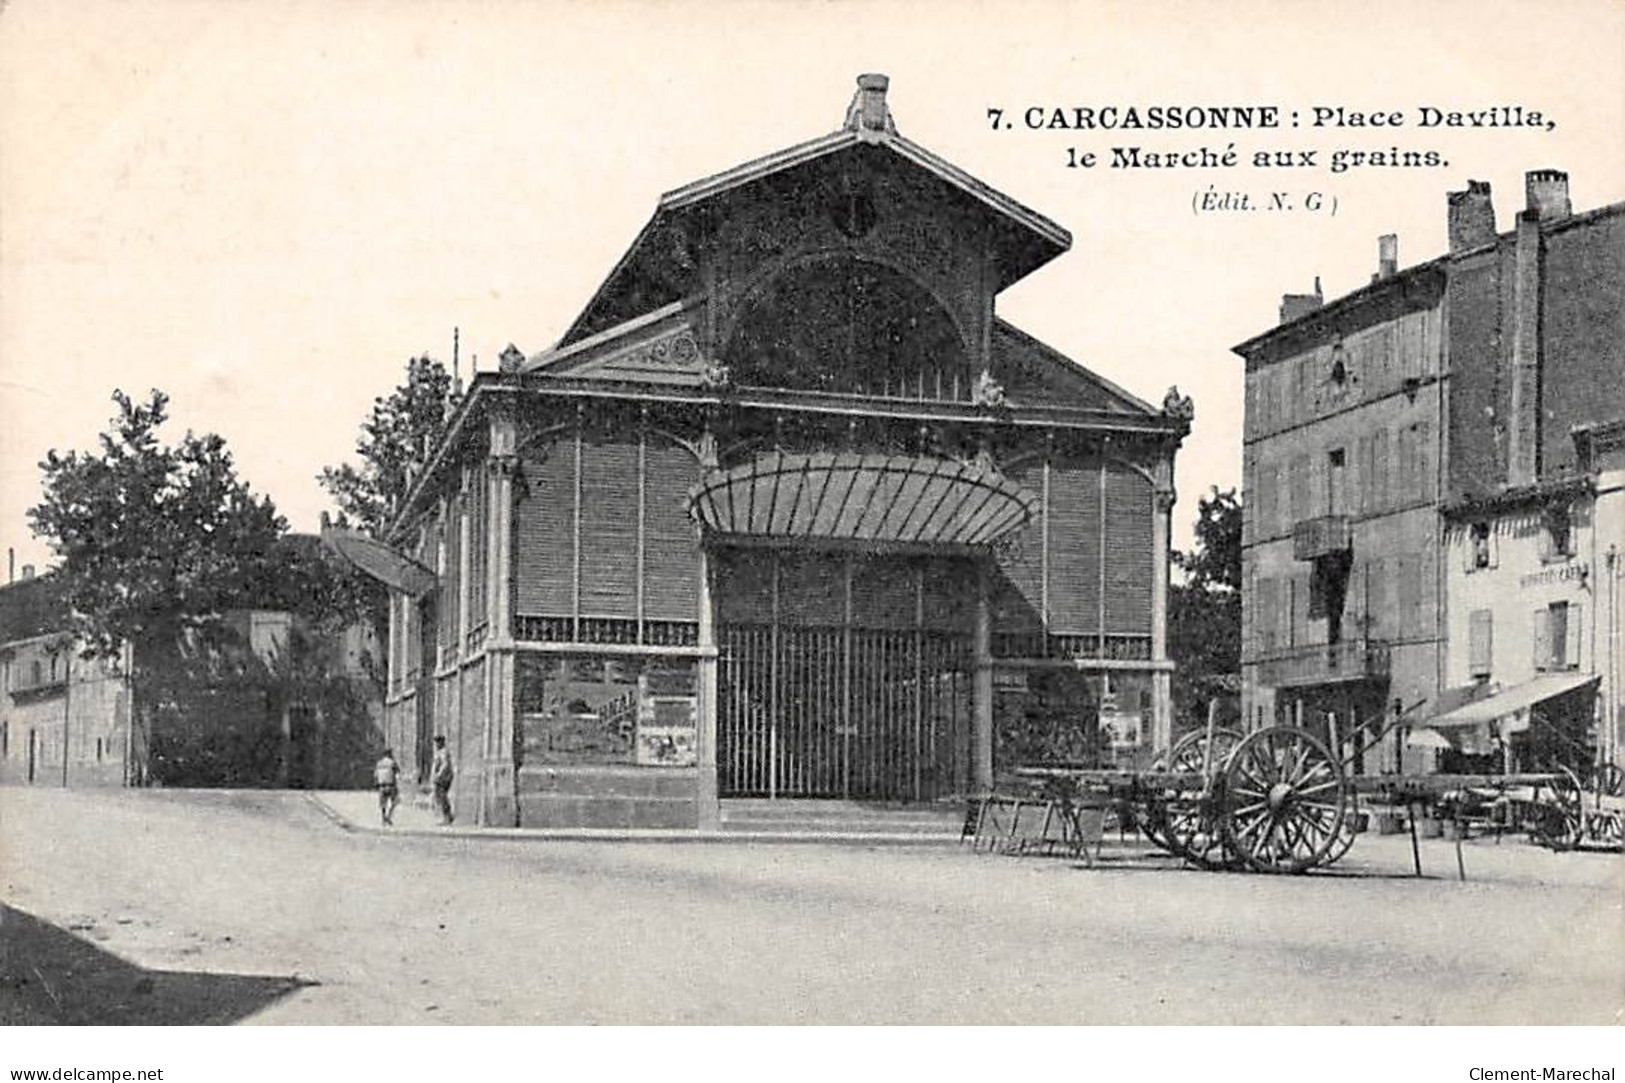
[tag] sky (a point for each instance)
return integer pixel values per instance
(266, 208)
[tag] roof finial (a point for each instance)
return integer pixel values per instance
(868, 111)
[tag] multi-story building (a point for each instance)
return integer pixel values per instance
(64, 719)
(1344, 406)
(270, 702)
(1534, 518)
(788, 512)
(1383, 430)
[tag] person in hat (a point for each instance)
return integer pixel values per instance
(386, 774)
(440, 776)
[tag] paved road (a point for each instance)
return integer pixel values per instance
(254, 907)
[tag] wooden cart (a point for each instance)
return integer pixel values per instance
(1277, 800)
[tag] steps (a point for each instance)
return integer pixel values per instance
(806, 816)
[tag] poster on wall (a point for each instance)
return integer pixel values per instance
(668, 711)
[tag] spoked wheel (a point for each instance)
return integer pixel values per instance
(1607, 779)
(1562, 817)
(1350, 827)
(1284, 800)
(1184, 815)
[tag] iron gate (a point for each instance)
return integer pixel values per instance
(839, 711)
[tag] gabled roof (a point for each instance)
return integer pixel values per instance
(1035, 373)
(659, 261)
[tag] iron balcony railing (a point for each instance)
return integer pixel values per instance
(1325, 663)
(1315, 538)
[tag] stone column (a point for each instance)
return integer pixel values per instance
(499, 803)
(710, 812)
(1162, 708)
(982, 687)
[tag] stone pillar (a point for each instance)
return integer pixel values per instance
(1162, 708)
(710, 812)
(982, 687)
(499, 798)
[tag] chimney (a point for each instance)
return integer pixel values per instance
(1523, 400)
(28, 572)
(868, 111)
(1546, 194)
(1471, 216)
(1295, 306)
(1387, 256)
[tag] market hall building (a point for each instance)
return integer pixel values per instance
(788, 512)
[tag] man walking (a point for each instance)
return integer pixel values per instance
(440, 776)
(386, 774)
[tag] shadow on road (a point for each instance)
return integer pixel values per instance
(50, 976)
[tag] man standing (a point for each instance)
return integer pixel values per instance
(386, 774)
(440, 776)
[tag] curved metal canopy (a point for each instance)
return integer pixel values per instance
(916, 500)
(388, 566)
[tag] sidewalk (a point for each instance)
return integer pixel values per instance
(357, 810)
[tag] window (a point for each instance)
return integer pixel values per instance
(38, 673)
(1480, 643)
(1557, 534)
(1335, 482)
(1480, 547)
(1557, 636)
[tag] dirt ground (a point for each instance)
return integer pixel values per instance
(209, 907)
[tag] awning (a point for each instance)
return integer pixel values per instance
(1426, 737)
(374, 558)
(1512, 700)
(918, 500)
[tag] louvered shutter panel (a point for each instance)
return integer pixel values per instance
(1571, 640)
(1480, 650)
(1540, 623)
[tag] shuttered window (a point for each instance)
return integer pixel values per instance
(671, 557)
(609, 526)
(544, 528)
(1480, 643)
(1074, 567)
(1128, 551)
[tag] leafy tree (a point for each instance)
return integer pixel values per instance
(156, 544)
(152, 539)
(396, 440)
(1204, 614)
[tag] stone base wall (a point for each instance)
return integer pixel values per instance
(609, 797)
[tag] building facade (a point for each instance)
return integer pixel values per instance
(266, 703)
(788, 512)
(1400, 436)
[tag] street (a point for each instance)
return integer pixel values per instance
(255, 907)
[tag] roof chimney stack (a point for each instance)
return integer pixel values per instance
(868, 111)
(1295, 306)
(1387, 256)
(1546, 194)
(1471, 216)
(28, 572)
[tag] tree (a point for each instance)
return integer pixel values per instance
(152, 540)
(157, 545)
(1204, 614)
(396, 441)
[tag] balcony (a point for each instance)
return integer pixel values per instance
(1325, 663)
(1316, 538)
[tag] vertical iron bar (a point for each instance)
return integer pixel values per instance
(773, 691)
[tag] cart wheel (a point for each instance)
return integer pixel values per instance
(1284, 800)
(1186, 819)
(1562, 819)
(1346, 832)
